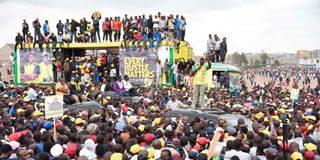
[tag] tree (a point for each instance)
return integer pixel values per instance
(244, 59)
(257, 63)
(235, 57)
(276, 63)
(263, 59)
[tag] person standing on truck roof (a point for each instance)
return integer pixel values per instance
(199, 83)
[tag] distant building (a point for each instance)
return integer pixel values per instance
(5, 62)
(308, 57)
(5, 53)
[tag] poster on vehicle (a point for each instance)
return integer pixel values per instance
(33, 67)
(139, 66)
(53, 106)
(294, 94)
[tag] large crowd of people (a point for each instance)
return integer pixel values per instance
(128, 128)
(285, 75)
(135, 123)
(132, 30)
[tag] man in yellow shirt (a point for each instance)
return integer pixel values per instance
(199, 83)
(61, 87)
(31, 70)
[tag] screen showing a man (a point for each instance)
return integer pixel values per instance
(30, 71)
(46, 72)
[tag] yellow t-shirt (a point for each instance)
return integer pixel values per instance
(30, 69)
(60, 86)
(46, 72)
(200, 76)
(99, 63)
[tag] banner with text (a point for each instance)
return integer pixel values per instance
(139, 66)
(53, 106)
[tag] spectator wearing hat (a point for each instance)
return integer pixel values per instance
(25, 30)
(36, 25)
(77, 90)
(19, 41)
(136, 39)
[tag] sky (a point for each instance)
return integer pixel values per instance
(282, 26)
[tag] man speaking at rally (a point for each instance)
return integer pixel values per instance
(199, 83)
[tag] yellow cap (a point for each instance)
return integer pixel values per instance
(281, 110)
(20, 110)
(153, 108)
(142, 118)
(41, 104)
(157, 121)
(79, 121)
(134, 149)
(64, 116)
(26, 99)
(310, 146)
(141, 128)
(116, 156)
(312, 118)
(37, 113)
(95, 116)
(296, 156)
(259, 115)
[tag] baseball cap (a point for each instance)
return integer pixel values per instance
(296, 156)
(202, 140)
(148, 137)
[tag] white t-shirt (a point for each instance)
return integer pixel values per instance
(159, 69)
(240, 154)
(210, 44)
(175, 68)
(127, 85)
(216, 45)
(156, 23)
